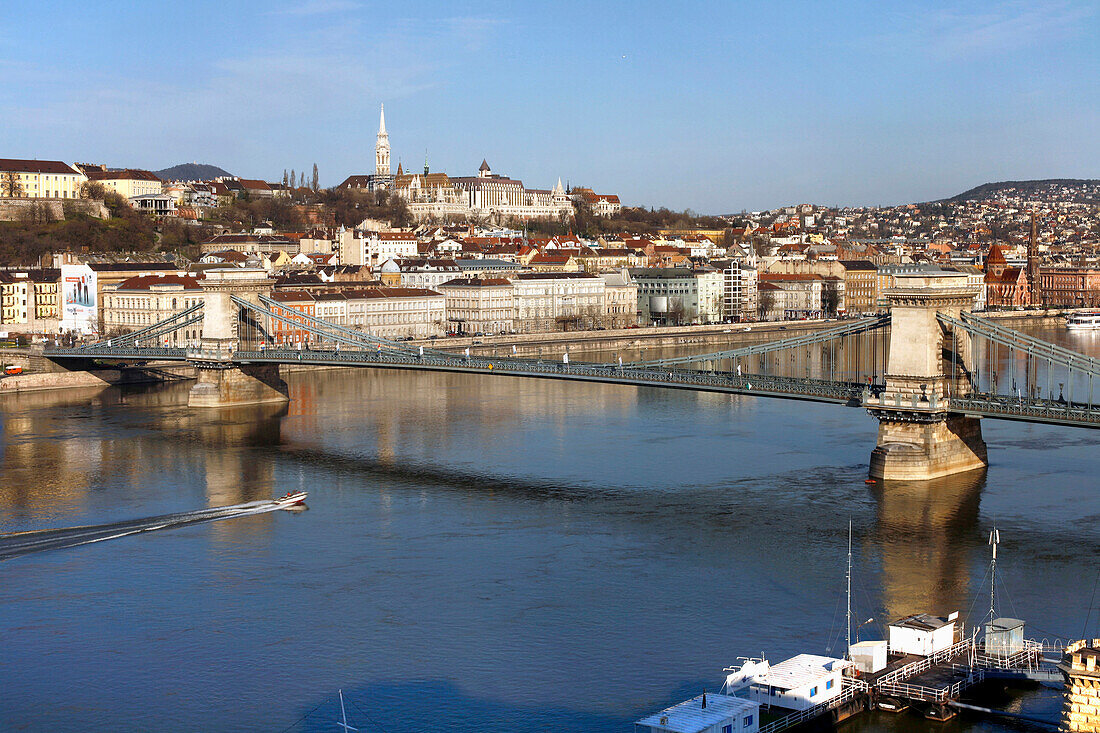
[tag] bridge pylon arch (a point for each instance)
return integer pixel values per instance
(226, 329)
(919, 438)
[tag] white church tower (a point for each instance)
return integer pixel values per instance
(382, 148)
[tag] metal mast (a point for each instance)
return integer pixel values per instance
(344, 715)
(994, 540)
(848, 648)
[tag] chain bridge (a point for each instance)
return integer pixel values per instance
(928, 370)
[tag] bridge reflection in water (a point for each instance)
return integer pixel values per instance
(925, 532)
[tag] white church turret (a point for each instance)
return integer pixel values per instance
(382, 148)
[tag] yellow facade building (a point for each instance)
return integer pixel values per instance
(39, 179)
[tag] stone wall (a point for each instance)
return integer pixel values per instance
(248, 384)
(12, 209)
(1081, 709)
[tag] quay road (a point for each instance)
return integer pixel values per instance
(529, 344)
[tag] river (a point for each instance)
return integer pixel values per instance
(495, 554)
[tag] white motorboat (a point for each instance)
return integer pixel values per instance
(1084, 321)
(291, 498)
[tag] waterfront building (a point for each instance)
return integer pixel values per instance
(104, 276)
(620, 299)
(143, 300)
(30, 300)
(387, 312)
(710, 285)
(860, 286)
(739, 285)
(14, 299)
(549, 301)
(667, 295)
(479, 305)
(793, 296)
(1070, 287)
(1006, 287)
(293, 302)
(39, 179)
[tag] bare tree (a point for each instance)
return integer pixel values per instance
(675, 311)
(293, 178)
(830, 297)
(93, 190)
(765, 302)
(316, 183)
(10, 185)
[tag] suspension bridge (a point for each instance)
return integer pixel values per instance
(928, 369)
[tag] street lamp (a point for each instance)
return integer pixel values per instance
(861, 626)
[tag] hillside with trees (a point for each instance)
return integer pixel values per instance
(191, 172)
(1047, 190)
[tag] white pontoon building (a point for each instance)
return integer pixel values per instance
(706, 713)
(799, 682)
(922, 634)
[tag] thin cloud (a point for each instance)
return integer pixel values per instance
(318, 7)
(471, 32)
(950, 34)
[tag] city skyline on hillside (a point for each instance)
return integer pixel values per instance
(747, 108)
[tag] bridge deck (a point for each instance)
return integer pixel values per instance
(1002, 407)
(707, 381)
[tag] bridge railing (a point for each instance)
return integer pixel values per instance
(926, 693)
(852, 688)
(999, 405)
(749, 383)
(122, 352)
(922, 665)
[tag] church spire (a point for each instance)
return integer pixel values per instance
(382, 147)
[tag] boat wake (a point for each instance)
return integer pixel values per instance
(16, 544)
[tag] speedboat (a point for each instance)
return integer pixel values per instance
(290, 498)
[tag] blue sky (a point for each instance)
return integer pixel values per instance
(717, 106)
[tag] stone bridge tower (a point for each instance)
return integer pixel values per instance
(918, 439)
(227, 329)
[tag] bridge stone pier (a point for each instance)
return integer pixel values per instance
(918, 439)
(225, 329)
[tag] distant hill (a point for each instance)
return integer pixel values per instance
(191, 172)
(1085, 191)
